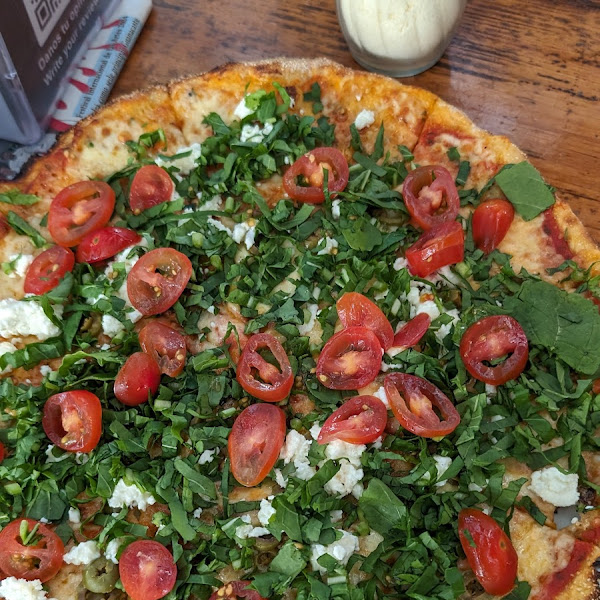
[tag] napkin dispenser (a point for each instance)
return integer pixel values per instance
(40, 43)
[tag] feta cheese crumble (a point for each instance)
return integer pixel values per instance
(7, 348)
(248, 530)
(244, 232)
(19, 318)
(207, 456)
(255, 133)
(82, 554)
(380, 393)
(185, 164)
(74, 516)
(111, 326)
(20, 264)
(347, 479)
(12, 588)
(335, 209)
(266, 511)
(241, 110)
(131, 496)
(555, 487)
(341, 550)
(364, 118)
(441, 464)
(112, 549)
(331, 244)
(295, 450)
(313, 311)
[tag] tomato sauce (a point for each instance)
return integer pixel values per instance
(551, 229)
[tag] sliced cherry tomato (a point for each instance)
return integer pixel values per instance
(491, 221)
(354, 309)
(309, 169)
(40, 559)
(360, 420)
(440, 246)
(157, 280)
(2, 452)
(431, 196)
(147, 570)
(106, 242)
(235, 590)
(79, 209)
(47, 269)
(420, 407)
(165, 345)
(412, 332)
(73, 420)
(255, 441)
(490, 339)
(274, 383)
(489, 551)
(150, 186)
(138, 377)
(350, 359)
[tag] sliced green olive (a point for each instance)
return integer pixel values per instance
(101, 576)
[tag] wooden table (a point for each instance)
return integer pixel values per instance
(528, 70)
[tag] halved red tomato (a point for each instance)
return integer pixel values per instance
(150, 186)
(355, 309)
(106, 242)
(350, 359)
(303, 181)
(360, 420)
(157, 280)
(489, 551)
(436, 248)
(165, 345)
(78, 209)
(235, 590)
(148, 570)
(274, 383)
(420, 407)
(490, 339)
(47, 269)
(41, 558)
(255, 441)
(431, 196)
(73, 420)
(412, 332)
(137, 378)
(491, 221)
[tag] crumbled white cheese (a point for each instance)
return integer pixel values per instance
(418, 306)
(20, 264)
(555, 487)
(45, 370)
(111, 326)
(444, 276)
(244, 232)
(112, 549)
(445, 329)
(213, 204)
(207, 456)
(473, 487)
(313, 311)
(400, 263)
(197, 513)
(133, 314)
(241, 110)
(441, 464)
(336, 516)
(20, 318)
(12, 588)
(82, 554)
(185, 164)
(346, 481)
(7, 348)
(315, 430)
(266, 511)
(490, 390)
(280, 478)
(380, 393)
(131, 496)
(341, 550)
(255, 133)
(295, 450)
(249, 531)
(331, 244)
(335, 209)
(364, 118)
(50, 458)
(74, 516)
(377, 443)
(337, 449)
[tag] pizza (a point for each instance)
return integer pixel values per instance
(290, 330)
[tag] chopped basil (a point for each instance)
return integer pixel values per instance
(17, 197)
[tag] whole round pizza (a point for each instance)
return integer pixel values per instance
(289, 330)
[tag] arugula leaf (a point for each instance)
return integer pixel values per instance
(566, 324)
(525, 188)
(361, 234)
(382, 508)
(22, 227)
(15, 196)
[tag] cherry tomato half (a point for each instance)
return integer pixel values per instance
(138, 377)
(235, 590)
(274, 383)
(150, 186)
(310, 169)
(412, 332)
(79, 209)
(355, 309)
(40, 560)
(73, 420)
(255, 441)
(106, 242)
(350, 359)
(165, 345)
(416, 403)
(360, 420)
(491, 221)
(147, 570)
(489, 551)
(47, 269)
(440, 246)
(157, 280)
(492, 338)
(431, 196)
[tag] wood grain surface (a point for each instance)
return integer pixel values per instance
(529, 70)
